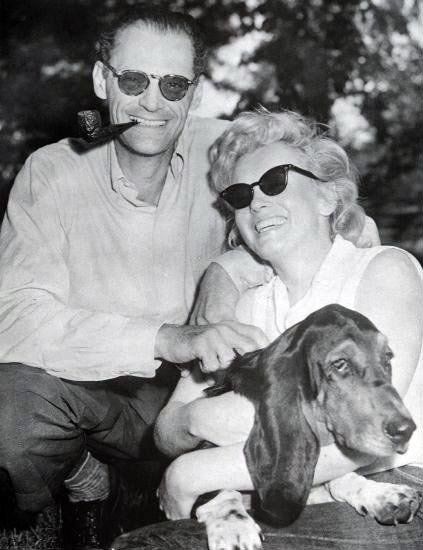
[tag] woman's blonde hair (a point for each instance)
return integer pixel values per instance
(325, 158)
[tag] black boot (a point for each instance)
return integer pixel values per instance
(132, 503)
(11, 517)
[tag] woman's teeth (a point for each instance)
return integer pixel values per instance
(268, 225)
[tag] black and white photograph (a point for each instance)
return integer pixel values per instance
(211, 282)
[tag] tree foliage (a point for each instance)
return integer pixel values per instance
(312, 53)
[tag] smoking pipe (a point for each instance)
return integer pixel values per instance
(93, 133)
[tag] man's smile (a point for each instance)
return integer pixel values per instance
(147, 121)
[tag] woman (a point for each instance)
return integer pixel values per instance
(301, 189)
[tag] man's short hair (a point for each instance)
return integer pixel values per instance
(158, 19)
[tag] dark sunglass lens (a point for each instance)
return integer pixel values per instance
(133, 83)
(273, 181)
(238, 195)
(174, 88)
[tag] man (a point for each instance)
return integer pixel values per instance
(100, 254)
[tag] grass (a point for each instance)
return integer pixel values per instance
(44, 534)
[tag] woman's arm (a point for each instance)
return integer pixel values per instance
(203, 471)
(200, 472)
(173, 433)
(190, 418)
(391, 296)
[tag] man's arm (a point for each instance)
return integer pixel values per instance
(37, 324)
(39, 327)
(214, 345)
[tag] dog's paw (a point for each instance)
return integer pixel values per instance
(228, 525)
(388, 503)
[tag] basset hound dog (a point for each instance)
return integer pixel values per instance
(326, 379)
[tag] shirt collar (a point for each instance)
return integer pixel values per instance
(126, 189)
(326, 284)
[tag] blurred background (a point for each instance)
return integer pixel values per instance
(355, 65)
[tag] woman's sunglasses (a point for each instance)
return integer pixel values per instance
(272, 182)
(173, 87)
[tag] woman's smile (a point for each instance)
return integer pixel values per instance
(270, 224)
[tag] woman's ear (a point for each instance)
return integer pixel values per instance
(99, 80)
(327, 198)
(198, 93)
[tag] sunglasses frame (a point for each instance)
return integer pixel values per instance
(283, 168)
(148, 76)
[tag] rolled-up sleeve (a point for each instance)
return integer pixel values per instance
(37, 326)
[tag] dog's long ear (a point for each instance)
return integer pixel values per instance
(246, 374)
(282, 448)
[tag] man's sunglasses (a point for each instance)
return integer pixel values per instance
(272, 182)
(172, 86)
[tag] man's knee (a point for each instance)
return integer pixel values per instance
(39, 442)
(32, 405)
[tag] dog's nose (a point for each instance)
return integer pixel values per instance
(399, 430)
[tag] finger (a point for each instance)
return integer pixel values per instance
(225, 353)
(216, 345)
(209, 364)
(242, 342)
(249, 332)
(226, 360)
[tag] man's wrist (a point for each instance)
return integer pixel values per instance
(166, 340)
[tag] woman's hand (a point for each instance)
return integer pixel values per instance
(175, 498)
(222, 420)
(215, 346)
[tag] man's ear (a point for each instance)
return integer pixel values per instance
(198, 93)
(99, 80)
(327, 199)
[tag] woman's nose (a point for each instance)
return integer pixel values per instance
(260, 199)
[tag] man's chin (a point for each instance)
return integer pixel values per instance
(144, 148)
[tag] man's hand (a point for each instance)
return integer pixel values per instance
(369, 236)
(217, 297)
(222, 420)
(215, 346)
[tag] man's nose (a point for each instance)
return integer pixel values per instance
(151, 97)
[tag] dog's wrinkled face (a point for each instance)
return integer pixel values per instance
(360, 406)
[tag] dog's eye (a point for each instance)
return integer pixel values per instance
(341, 365)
